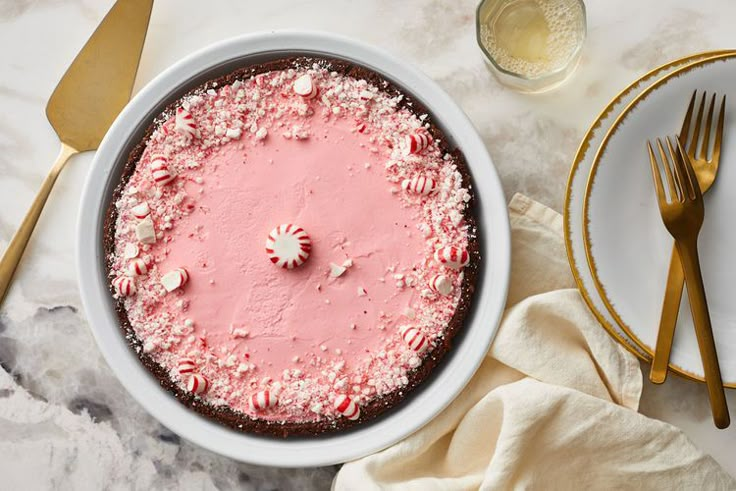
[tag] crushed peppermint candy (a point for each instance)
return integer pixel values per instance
(336, 270)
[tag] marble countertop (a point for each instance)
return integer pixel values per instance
(64, 418)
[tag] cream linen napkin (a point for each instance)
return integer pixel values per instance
(553, 406)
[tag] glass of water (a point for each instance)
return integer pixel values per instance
(531, 45)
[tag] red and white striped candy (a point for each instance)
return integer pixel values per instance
(441, 284)
(347, 407)
(141, 210)
(186, 365)
(452, 257)
(198, 383)
(160, 171)
(305, 87)
(262, 400)
(137, 267)
(414, 339)
(175, 279)
(420, 185)
(288, 246)
(416, 142)
(184, 123)
(124, 286)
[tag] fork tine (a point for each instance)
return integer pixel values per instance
(683, 173)
(679, 171)
(716, 154)
(706, 129)
(688, 116)
(656, 176)
(693, 147)
(692, 177)
(667, 172)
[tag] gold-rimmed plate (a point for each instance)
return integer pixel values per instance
(625, 241)
(575, 192)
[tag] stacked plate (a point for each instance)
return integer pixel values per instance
(618, 248)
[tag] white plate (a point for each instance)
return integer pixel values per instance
(576, 191)
(435, 394)
(627, 245)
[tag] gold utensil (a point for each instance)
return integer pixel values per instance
(706, 170)
(682, 214)
(84, 104)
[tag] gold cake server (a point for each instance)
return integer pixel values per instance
(84, 104)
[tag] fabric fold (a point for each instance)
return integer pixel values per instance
(553, 405)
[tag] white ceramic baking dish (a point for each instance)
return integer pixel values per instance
(423, 404)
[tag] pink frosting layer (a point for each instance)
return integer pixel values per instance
(322, 185)
(261, 156)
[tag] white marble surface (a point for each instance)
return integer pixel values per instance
(64, 419)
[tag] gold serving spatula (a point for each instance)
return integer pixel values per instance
(84, 104)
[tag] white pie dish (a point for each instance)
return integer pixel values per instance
(422, 405)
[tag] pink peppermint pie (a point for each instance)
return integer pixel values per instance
(292, 247)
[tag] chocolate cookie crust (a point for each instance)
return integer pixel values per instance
(431, 359)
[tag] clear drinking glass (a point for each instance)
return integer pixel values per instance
(531, 45)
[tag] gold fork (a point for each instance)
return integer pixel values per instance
(706, 170)
(683, 214)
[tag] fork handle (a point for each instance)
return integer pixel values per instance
(668, 319)
(18, 244)
(688, 251)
